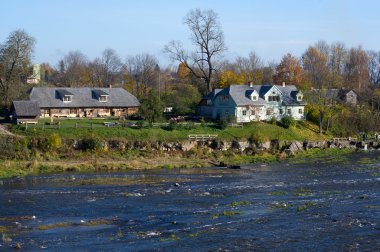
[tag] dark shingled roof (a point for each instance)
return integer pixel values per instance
(99, 92)
(82, 97)
(26, 108)
(330, 94)
(63, 92)
(240, 94)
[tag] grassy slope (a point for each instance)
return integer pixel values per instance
(303, 131)
(124, 160)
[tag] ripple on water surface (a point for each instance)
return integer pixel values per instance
(272, 207)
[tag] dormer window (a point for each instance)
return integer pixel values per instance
(67, 98)
(103, 98)
(253, 95)
(100, 95)
(299, 96)
(64, 95)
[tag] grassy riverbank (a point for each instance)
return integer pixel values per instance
(77, 129)
(38, 149)
(93, 163)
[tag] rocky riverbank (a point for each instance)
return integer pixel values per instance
(35, 155)
(242, 146)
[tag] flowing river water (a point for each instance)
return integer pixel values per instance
(320, 205)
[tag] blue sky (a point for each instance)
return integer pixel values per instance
(271, 28)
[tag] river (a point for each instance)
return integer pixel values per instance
(321, 205)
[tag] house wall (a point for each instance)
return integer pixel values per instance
(252, 113)
(260, 113)
(24, 119)
(224, 107)
(205, 111)
(88, 112)
(351, 98)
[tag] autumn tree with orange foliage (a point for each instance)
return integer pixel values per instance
(183, 73)
(290, 71)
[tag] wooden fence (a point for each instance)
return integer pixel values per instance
(202, 137)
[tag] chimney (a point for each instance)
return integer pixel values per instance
(110, 86)
(283, 83)
(250, 84)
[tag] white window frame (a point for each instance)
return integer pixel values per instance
(67, 98)
(102, 97)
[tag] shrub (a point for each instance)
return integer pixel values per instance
(273, 121)
(54, 141)
(203, 122)
(91, 144)
(140, 124)
(287, 122)
(222, 124)
(256, 138)
(172, 125)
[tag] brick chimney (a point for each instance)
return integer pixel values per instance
(250, 84)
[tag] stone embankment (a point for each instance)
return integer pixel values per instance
(242, 146)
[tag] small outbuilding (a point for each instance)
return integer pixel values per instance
(25, 112)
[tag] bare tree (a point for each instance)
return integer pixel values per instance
(374, 67)
(74, 68)
(142, 68)
(337, 57)
(356, 69)
(15, 59)
(208, 39)
(105, 70)
(315, 63)
(250, 67)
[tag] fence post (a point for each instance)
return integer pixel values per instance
(26, 125)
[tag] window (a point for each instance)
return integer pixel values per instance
(281, 111)
(73, 111)
(244, 112)
(289, 111)
(224, 98)
(269, 111)
(300, 111)
(299, 97)
(254, 98)
(67, 98)
(103, 98)
(273, 98)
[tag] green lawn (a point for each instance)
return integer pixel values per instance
(95, 127)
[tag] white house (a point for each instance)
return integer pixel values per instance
(253, 103)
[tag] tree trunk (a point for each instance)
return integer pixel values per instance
(321, 115)
(328, 124)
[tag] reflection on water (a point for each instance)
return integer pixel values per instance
(310, 206)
